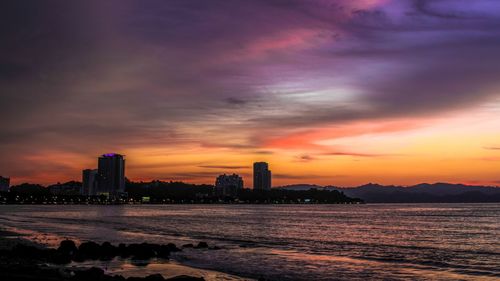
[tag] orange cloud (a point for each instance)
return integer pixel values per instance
(308, 139)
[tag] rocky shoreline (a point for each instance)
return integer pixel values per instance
(33, 262)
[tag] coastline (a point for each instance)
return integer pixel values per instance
(314, 242)
(9, 239)
(116, 268)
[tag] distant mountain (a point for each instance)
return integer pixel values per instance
(420, 193)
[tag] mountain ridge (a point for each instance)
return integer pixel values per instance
(439, 192)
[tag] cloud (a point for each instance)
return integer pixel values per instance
(207, 176)
(299, 177)
(492, 147)
(235, 101)
(490, 159)
(221, 167)
(82, 78)
(454, 10)
(305, 158)
(356, 154)
(263, 152)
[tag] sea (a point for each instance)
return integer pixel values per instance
(289, 242)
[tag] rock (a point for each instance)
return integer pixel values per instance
(202, 245)
(172, 248)
(116, 278)
(93, 273)
(57, 257)
(139, 262)
(154, 277)
(123, 250)
(141, 251)
(28, 252)
(67, 247)
(79, 257)
(89, 250)
(157, 248)
(163, 252)
(28, 273)
(186, 278)
(188, 245)
(134, 279)
(108, 251)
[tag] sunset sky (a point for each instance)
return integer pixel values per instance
(327, 92)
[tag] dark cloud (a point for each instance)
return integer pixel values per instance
(453, 10)
(263, 152)
(235, 101)
(305, 158)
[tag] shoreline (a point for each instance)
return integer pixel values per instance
(18, 262)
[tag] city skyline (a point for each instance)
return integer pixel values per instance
(328, 92)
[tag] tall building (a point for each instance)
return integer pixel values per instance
(228, 185)
(4, 184)
(261, 176)
(111, 174)
(89, 182)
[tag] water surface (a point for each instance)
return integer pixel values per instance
(293, 242)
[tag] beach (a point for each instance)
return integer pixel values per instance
(112, 269)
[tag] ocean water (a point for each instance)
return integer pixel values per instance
(292, 242)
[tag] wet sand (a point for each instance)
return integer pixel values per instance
(9, 239)
(118, 266)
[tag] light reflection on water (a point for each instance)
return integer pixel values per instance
(294, 242)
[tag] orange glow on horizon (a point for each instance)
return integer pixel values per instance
(401, 152)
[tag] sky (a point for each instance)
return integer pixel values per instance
(327, 92)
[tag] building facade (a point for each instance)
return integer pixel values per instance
(4, 184)
(228, 185)
(89, 182)
(261, 176)
(111, 175)
(69, 188)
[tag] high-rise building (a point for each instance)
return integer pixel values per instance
(228, 185)
(89, 182)
(4, 184)
(111, 175)
(261, 176)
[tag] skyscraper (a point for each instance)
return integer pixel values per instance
(4, 184)
(261, 176)
(228, 185)
(111, 174)
(89, 182)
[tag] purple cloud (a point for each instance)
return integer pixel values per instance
(93, 76)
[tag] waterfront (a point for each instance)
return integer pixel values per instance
(291, 242)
